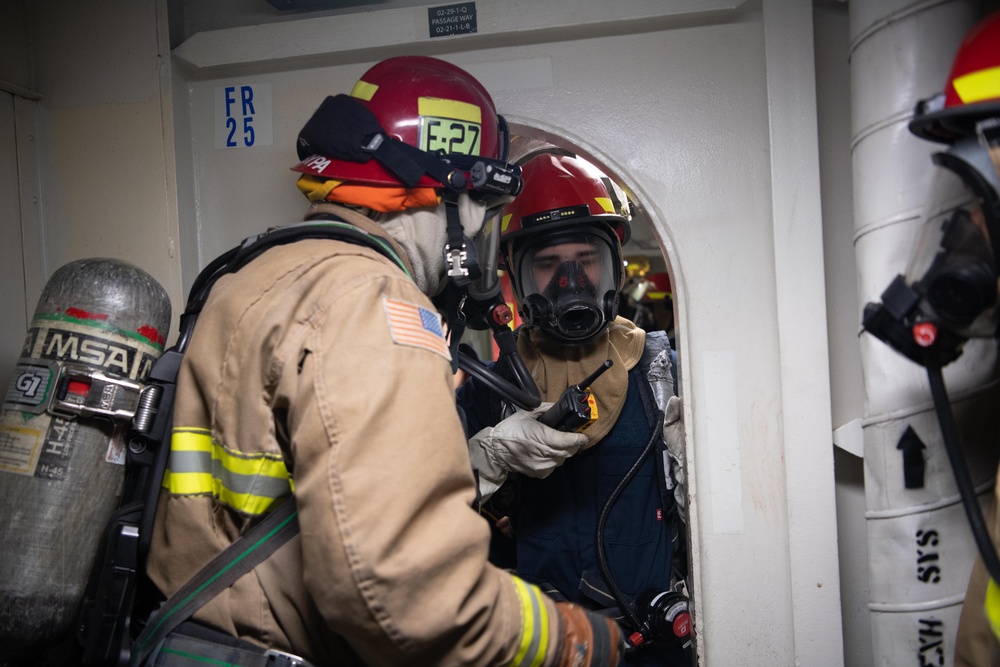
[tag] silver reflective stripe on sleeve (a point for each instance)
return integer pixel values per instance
(249, 483)
(535, 626)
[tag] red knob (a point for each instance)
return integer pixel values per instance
(682, 625)
(502, 314)
(925, 333)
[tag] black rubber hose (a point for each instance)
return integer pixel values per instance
(527, 398)
(602, 561)
(961, 472)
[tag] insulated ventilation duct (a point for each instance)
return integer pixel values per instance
(920, 546)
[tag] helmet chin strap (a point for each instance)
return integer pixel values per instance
(460, 260)
(462, 268)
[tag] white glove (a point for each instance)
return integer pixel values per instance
(520, 443)
(673, 437)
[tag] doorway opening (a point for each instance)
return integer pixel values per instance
(646, 298)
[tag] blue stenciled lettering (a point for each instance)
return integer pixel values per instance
(248, 134)
(247, 112)
(246, 96)
(230, 100)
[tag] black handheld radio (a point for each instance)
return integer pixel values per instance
(576, 409)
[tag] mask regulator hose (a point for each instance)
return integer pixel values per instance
(647, 619)
(963, 480)
(522, 391)
(641, 627)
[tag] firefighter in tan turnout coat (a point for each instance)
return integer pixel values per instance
(320, 372)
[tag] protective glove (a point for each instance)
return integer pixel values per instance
(588, 639)
(520, 443)
(673, 438)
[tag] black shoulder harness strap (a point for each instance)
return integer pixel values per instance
(251, 549)
(106, 616)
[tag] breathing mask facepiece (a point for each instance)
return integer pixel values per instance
(949, 291)
(569, 286)
(474, 299)
(486, 246)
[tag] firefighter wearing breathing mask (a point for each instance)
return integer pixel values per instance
(561, 246)
(949, 294)
(320, 373)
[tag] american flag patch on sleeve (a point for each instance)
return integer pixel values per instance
(412, 325)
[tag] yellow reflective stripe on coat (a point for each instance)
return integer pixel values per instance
(534, 627)
(199, 466)
(992, 607)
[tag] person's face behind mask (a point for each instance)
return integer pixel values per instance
(580, 261)
(565, 284)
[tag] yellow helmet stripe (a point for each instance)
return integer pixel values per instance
(535, 627)
(978, 86)
(606, 204)
(441, 108)
(364, 90)
(249, 483)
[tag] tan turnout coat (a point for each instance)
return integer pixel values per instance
(296, 357)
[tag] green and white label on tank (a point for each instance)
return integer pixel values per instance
(36, 443)
(31, 386)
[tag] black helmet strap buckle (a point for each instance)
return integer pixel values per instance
(461, 261)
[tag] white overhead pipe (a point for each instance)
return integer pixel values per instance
(920, 547)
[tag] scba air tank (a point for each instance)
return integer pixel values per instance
(95, 334)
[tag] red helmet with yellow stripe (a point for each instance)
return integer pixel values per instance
(972, 91)
(950, 284)
(424, 102)
(564, 191)
(561, 240)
